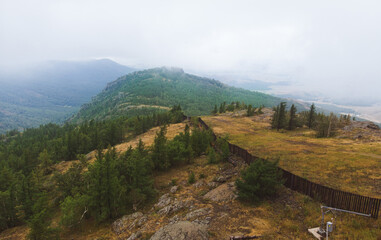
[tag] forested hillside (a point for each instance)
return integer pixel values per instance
(163, 87)
(52, 91)
(31, 187)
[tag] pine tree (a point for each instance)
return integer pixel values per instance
(39, 222)
(261, 179)
(292, 122)
(222, 110)
(282, 116)
(159, 153)
(211, 155)
(279, 117)
(45, 161)
(250, 111)
(215, 110)
(311, 116)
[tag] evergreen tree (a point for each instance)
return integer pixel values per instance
(221, 110)
(311, 116)
(250, 111)
(159, 153)
(279, 118)
(211, 155)
(292, 121)
(215, 110)
(260, 180)
(39, 223)
(45, 161)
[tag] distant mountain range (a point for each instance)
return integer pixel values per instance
(53, 91)
(159, 88)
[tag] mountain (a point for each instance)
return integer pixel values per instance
(159, 88)
(52, 91)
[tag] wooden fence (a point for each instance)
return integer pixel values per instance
(329, 196)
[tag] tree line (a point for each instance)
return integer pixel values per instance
(325, 125)
(234, 106)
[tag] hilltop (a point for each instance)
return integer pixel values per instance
(208, 208)
(159, 88)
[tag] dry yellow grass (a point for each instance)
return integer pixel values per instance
(346, 164)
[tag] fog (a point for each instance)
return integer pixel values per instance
(325, 47)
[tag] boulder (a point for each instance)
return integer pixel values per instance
(197, 213)
(128, 222)
(182, 230)
(175, 207)
(199, 184)
(223, 193)
(174, 189)
(135, 236)
(164, 200)
(212, 184)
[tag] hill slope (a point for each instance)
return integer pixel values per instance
(52, 91)
(164, 87)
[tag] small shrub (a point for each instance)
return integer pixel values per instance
(260, 180)
(201, 176)
(191, 178)
(173, 182)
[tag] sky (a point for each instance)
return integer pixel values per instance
(327, 47)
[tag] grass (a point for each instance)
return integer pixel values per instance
(344, 164)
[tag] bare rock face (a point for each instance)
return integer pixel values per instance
(212, 185)
(135, 236)
(175, 207)
(199, 184)
(182, 230)
(197, 213)
(163, 201)
(223, 193)
(128, 222)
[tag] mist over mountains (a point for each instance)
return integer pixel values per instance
(52, 91)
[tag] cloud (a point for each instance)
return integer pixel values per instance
(330, 46)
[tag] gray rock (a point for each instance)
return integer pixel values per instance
(135, 236)
(223, 193)
(197, 213)
(183, 230)
(174, 219)
(126, 222)
(174, 189)
(212, 184)
(174, 207)
(199, 184)
(164, 200)
(221, 179)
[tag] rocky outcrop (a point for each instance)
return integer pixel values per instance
(164, 200)
(223, 193)
(182, 230)
(135, 236)
(197, 213)
(128, 222)
(175, 207)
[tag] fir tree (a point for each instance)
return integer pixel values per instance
(311, 116)
(292, 121)
(215, 110)
(260, 180)
(159, 153)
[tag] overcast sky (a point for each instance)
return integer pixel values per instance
(330, 46)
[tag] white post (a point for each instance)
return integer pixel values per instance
(326, 232)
